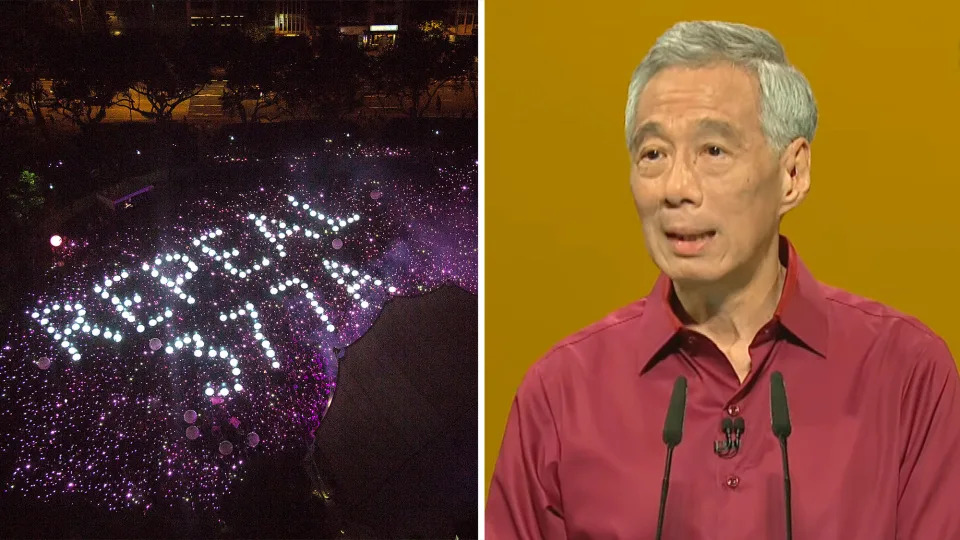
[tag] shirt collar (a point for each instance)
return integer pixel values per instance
(802, 310)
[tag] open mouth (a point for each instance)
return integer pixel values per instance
(691, 237)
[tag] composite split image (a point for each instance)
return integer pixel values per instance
(463, 269)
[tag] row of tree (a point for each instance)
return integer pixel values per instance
(80, 76)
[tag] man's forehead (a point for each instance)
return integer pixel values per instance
(721, 99)
(720, 86)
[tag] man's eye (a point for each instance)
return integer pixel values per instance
(715, 151)
(650, 155)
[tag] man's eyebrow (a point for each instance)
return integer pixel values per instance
(704, 126)
(645, 130)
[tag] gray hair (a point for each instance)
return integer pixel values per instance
(787, 106)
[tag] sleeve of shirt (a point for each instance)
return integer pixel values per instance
(524, 501)
(928, 505)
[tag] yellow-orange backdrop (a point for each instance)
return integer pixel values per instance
(563, 243)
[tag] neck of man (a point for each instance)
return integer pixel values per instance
(732, 312)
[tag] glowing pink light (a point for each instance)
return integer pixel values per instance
(56, 240)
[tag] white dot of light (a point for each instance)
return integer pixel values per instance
(275, 365)
(209, 391)
(392, 289)
(169, 350)
(271, 353)
(140, 328)
(234, 363)
(330, 328)
(56, 240)
(238, 387)
(224, 392)
(198, 353)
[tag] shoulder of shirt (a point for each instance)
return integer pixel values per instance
(596, 334)
(903, 329)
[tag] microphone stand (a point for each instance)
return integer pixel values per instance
(786, 486)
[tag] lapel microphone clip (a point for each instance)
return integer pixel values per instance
(732, 431)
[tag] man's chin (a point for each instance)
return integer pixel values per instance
(692, 273)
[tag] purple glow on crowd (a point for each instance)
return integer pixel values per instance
(156, 360)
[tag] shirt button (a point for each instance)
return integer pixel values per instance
(733, 410)
(733, 481)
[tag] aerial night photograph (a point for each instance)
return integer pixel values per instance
(239, 268)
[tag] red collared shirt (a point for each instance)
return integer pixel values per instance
(874, 400)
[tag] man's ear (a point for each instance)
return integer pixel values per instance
(794, 174)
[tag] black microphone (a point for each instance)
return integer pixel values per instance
(723, 448)
(780, 419)
(732, 432)
(672, 434)
(739, 426)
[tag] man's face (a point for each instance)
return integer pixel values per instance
(708, 187)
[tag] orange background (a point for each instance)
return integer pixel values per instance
(563, 243)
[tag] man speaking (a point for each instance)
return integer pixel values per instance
(793, 409)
